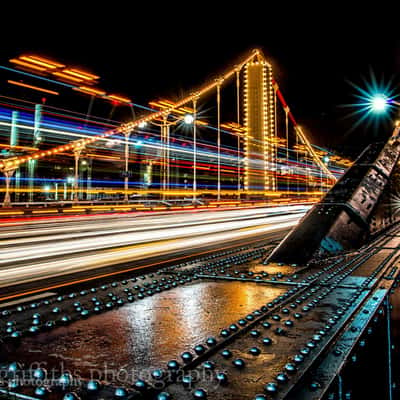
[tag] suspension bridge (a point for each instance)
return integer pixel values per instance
(240, 260)
(262, 155)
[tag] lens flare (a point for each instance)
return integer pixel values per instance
(379, 103)
(375, 101)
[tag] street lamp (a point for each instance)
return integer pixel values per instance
(379, 103)
(188, 119)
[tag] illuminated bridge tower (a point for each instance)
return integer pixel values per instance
(259, 121)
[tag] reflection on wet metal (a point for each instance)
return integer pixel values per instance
(131, 341)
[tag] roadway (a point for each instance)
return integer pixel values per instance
(37, 252)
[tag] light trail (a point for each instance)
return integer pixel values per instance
(77, 246)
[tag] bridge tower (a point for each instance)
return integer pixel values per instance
(260, 123)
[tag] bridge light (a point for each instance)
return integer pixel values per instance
(325, 159)
(188, 119)
(46, 188)
(379, 103)
(142, 124)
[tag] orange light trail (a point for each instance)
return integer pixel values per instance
(81, 74)
(89, 90)
(42, 62)
(65, 76)
(33, 87)
(27, 65)
(119, 98)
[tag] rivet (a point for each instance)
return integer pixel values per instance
(65, 380)
(305, 351)
(222, 378)
(226, 353)
(187, 356)
(314, 386)
(187, 381)
(209, 365)
(40, 391)
(200, 394)
(224, 333)
(120, 392)
(255, 351)
(316, 338)
(271, 387)
(281, 377)
(337, 352)
(238, 363)
(158, 374)
(140, 385)
(267, 341)
(164, 396)
(71, 396)
(199, 349)
(93, 385)
(290, 368)
(173, 365)
(39, 373)
(298, 358)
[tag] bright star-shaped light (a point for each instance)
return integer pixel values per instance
(379, 103)
(375, 102)
(188, 119)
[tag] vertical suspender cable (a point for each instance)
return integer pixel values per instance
(238, 122)
(275, 144)
(297, 162)
(219, 140)
(287, 145)
(194, 150)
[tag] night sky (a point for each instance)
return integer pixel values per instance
(146, 52)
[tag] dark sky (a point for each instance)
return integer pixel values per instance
(144, 51)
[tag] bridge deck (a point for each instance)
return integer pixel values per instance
(277, 329)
